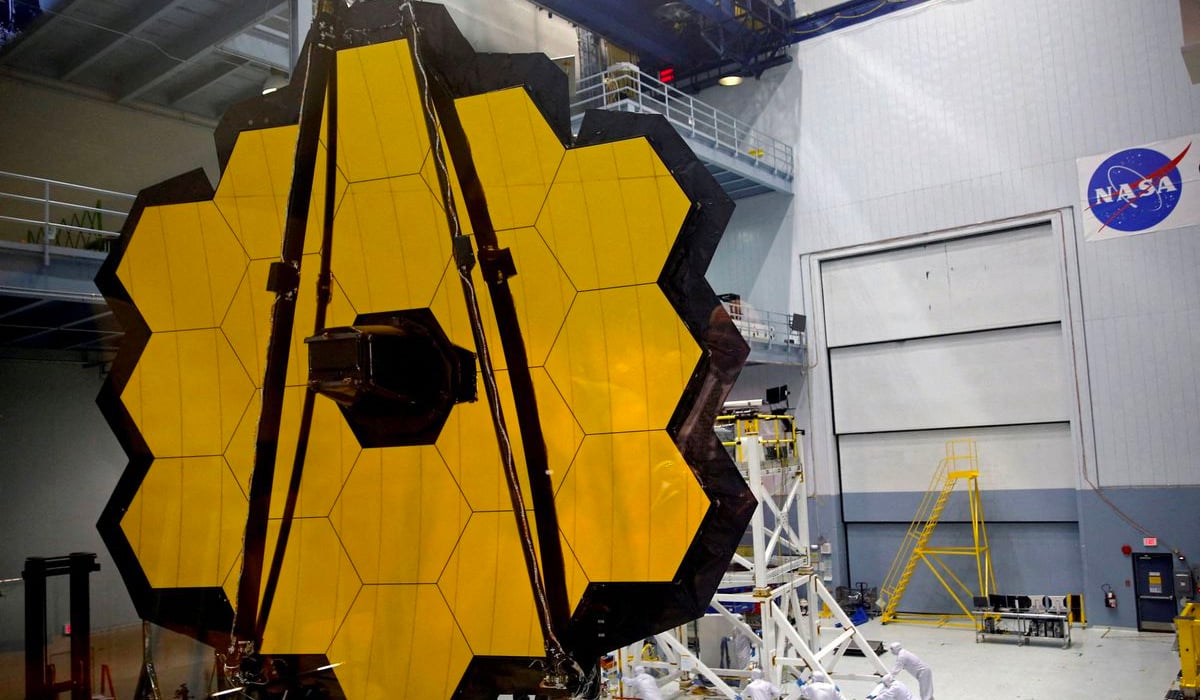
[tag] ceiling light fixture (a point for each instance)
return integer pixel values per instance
(273, 82)
(730, 80)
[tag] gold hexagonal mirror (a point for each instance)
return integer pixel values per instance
(445, 240)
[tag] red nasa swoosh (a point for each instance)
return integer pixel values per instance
(1152, 176)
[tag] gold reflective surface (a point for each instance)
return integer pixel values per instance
(405, 562)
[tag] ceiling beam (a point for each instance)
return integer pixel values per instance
(724, 13)
(624, 24)
(260, 47)
(205, 79)
(33, 304)
(738, 33)
(707, 75)
(124, 28)
(193, 45)
(97, 338)
(105, 314)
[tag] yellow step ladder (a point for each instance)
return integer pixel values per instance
(961, 464)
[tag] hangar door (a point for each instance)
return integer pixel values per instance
(951, 339)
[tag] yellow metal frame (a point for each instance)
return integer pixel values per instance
(960, 464)
(784, 442)
(1071, 610)
(1187, 623)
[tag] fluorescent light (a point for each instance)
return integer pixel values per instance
(225, 692)
(730, 80)
(273, 82)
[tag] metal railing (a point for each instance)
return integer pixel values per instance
(60, 214)
(769, 327)
(623, 87)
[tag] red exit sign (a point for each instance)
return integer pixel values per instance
(1149, 541)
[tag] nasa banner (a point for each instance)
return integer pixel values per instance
(1141, 189)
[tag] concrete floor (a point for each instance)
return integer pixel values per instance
(1102, 663)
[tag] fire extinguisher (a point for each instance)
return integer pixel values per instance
(1110, 598)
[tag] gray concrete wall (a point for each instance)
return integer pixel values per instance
(59, 463)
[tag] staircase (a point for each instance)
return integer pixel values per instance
(961, 463)
(743, 160)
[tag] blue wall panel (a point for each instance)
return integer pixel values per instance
(1048, 557)
(1170, 514)
(58, 464)
(1029, 558)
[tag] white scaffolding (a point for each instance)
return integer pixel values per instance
(778, 578)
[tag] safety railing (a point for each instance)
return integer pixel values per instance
(769, 327)
(51, 213)
(776, 434)
(623, 87)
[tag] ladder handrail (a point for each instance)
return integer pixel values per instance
(960, 463)
(916, 530)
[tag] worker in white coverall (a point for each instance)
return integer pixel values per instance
(891, 689)
(908, 661)
(642, 685)
(760, 688)
(820, 688)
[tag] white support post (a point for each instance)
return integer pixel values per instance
(768, 651)
(799, 645)
(719, 684)
(812, 623)
(47, 234)
(752, 453)
(837, 645)
(802, 503)
(840, 615)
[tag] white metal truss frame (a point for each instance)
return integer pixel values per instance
(788, 592)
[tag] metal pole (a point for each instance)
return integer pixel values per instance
(46, 227)
(814, 609)
(752, 451)
(284, 281)
(81, 565)
(770, 638)
(802, 504)
(35, 628)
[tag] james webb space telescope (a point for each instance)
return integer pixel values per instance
(420, 398)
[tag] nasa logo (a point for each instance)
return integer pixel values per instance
(1135, 189)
